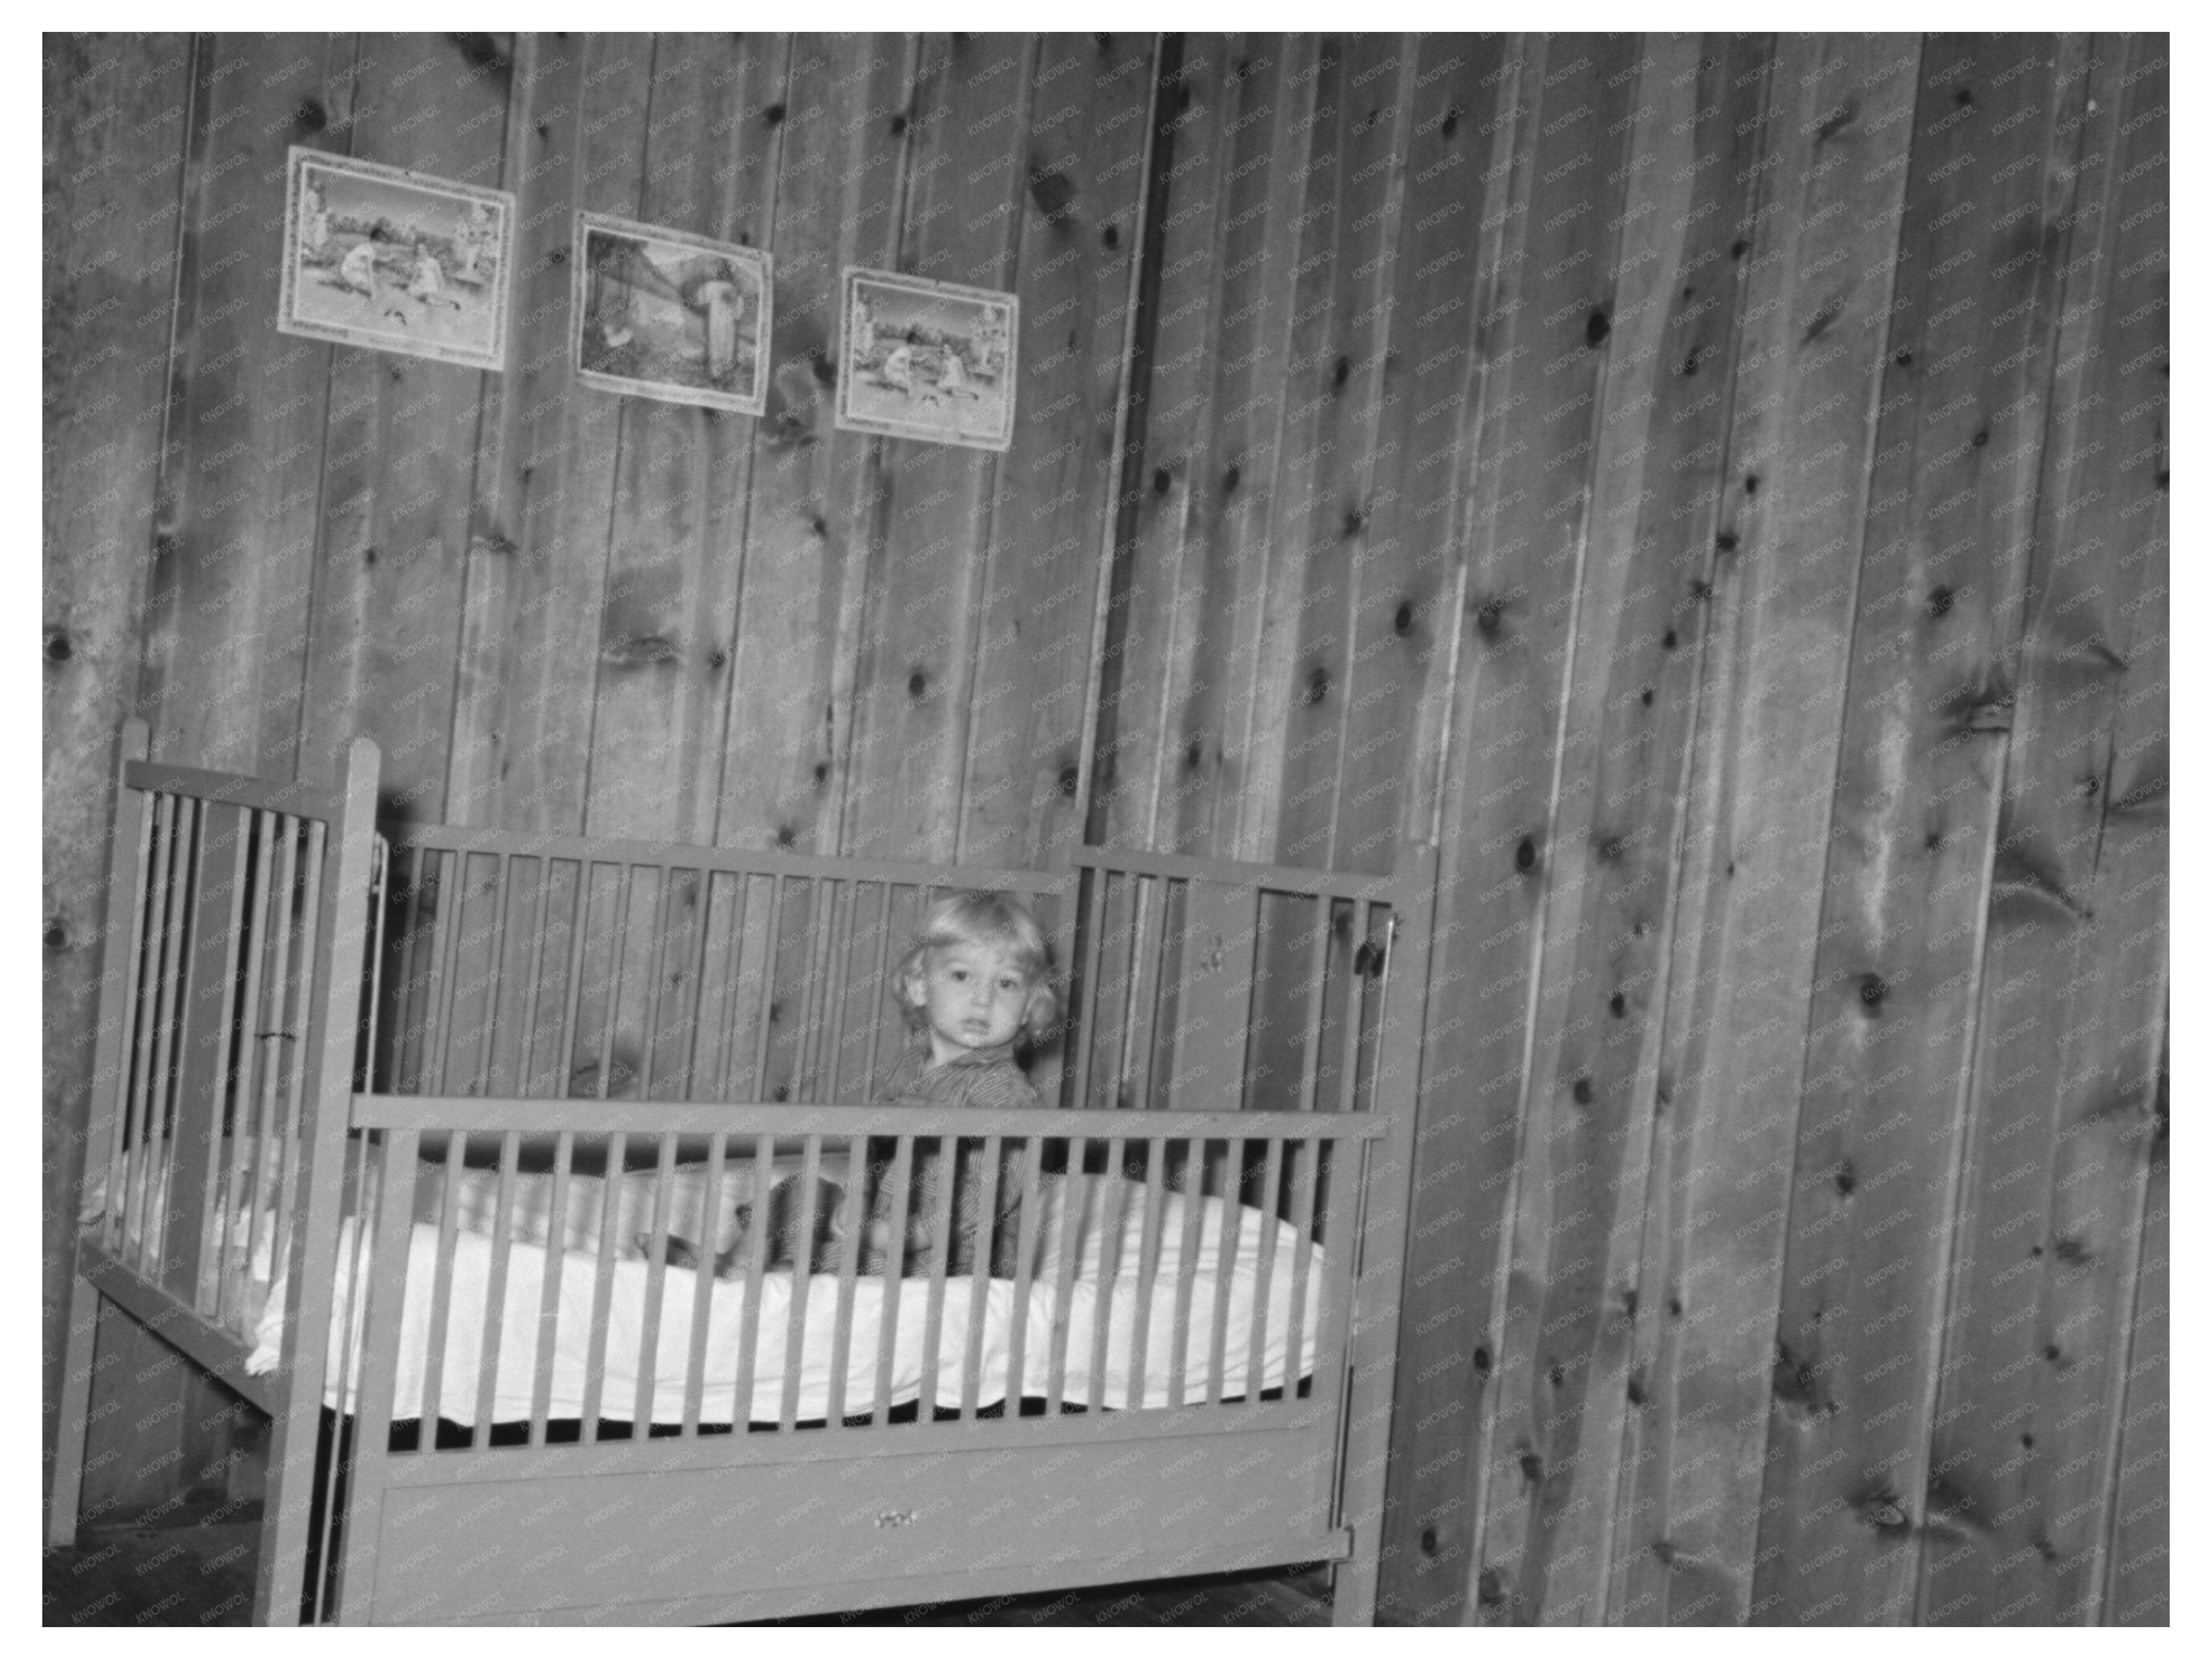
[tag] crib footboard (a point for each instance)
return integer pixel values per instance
(1131, 1364)
(231, 985)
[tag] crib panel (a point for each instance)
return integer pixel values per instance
(487, 1547)
(207, 1034)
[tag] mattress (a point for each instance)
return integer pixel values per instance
(1103, 1287)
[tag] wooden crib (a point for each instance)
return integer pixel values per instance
(391, 1124)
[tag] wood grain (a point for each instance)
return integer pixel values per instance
(916, 659)
(2062, 1114)
(844, 141)
(1940, 609)
(676, 542)
(1566, 272)
(115, 131)
(400, 462)
(1835, 128)
(1089, 137)
(537, 541)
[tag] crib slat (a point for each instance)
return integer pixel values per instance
(940, 1243)
(604, 1054)
(580, 918)
(758, 1087)
(741, 1398)
(171, 1053)
(123, 1058)
(449, 1216)
(248, 1126)
(1316, 986)
(1255, 1370)
(1232, 1186)
(1340, 1239)
(1193, 1211)
(445, 965)
(726, 1026)
(352, 1269)
(711, 1209)
(1078, 1190)
(702, 923)
(883, 986)
(853, 1209)
(656, 1275)
(1087, 1034)
(549, 1300)
(841, 1081)
(979, 1277)
(502, 1250)
(1114, 1204)
(894, 1262)
(802, 1269)
(495, 992)
(603, 1277)
(1024, 1269)
(1357, 1011)
(379, 871)
(1305, 1159)
(123, 1195)
(271, 1137)
(837, 953)
(801, 1036)
(381, 1322)
(1148, 1264)
(154, 1150)
(658, 977)
(311, 912)
(534, 982)
(1148, 990)
(401, 1072)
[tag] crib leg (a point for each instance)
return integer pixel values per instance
(76, 1407)
(1353, 1585)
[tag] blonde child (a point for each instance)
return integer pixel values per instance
(975, 985)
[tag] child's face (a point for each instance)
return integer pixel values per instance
(972, 996)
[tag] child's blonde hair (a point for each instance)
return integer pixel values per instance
(995, 920)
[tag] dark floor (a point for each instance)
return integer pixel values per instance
(202, 1574)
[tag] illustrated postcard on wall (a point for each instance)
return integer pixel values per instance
(927, 360)
(664, 313)
(376, 256)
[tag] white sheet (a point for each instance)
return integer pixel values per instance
(468, 1289)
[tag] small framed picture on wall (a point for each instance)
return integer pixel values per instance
(376, 256)
(664, 313)
(927, 360)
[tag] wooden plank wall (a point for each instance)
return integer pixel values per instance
(1711, 486)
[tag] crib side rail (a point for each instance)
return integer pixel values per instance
(1158, 1364)
(1128, 1259)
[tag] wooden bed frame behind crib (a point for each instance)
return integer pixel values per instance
(302, 1017)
